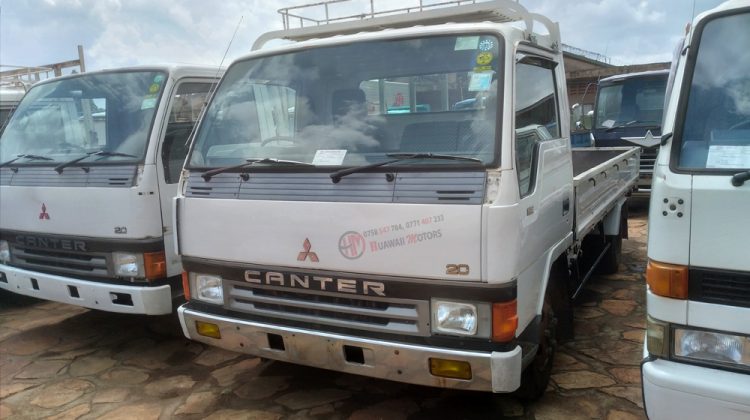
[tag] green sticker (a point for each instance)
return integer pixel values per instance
(153, 88)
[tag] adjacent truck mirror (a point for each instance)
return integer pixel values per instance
(576, 114)
(588, 120)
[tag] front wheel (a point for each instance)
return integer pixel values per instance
(535, 377)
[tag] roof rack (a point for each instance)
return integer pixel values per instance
(454, 11)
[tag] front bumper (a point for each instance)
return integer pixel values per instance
(156, 300)
(673, 390)
(491, 371)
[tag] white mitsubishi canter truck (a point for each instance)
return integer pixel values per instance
(397, 197)
(89, 166)
(697, 352)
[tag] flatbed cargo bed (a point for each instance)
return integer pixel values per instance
(601, 176)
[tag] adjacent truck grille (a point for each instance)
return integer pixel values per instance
(60, 262)
(400, 316)
(74, 176)
(648, 159)
(721, 287)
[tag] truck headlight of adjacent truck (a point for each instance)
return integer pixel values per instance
(4, 252)
(206, 287)
(149, 265)
(699, 346)
(461, 318)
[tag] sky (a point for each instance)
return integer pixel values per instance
(130, 32)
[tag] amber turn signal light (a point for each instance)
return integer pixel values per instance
(186, 285)
(667, 280)
(504, 321)
(155, 265)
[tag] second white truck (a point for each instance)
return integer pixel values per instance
(426, 235)
(89, 166)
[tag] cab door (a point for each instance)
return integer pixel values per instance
(186, 104)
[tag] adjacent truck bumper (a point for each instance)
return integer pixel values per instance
(495, 371)
(89, 294)
(680, 391)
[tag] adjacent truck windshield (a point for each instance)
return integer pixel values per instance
(107, 114)
(357, 104)
(715, 132)
(631, 102)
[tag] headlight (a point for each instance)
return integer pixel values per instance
(206, 287)
(461, 318)
(712, 347)
(128, 264)
(4, 251)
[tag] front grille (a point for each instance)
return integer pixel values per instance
(60, 262)
(722, 287)
(648, 159)
(401, 316)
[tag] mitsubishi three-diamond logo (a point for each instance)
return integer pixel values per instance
(306, 253)
(44, 215)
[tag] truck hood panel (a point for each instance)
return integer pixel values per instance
(408, 240)
(82, 212)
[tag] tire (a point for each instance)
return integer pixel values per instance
(535, 377)
(610, 262)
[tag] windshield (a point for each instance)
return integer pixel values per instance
(71, 117)
(716, 128)
(633, 102)
(354, 104)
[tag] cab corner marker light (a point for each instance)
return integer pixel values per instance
(155, 265)
(504, 321)
(207, 329)
(667, 280)
(656, 337)
(186, 285)
(454, 369)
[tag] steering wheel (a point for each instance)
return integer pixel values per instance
(279, 139)
(70, 146)
(740, 124)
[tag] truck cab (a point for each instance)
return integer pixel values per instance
(90, 164)
(399, 203)
(628, 112)
(697, 350)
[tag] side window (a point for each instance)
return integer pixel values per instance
(187, 105)
(536, 113)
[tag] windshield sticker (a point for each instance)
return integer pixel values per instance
(728, 157)
(329, 157)
(153, 88)
(158, 78)
(486, 45)
(480, 82)
(149, 101)
(466, 43)
(484, 58)
(354, 244)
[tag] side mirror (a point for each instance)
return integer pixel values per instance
(588, 120)
(576, 114)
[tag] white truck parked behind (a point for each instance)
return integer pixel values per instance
(424, 237)
(697, 352)
(90, 165)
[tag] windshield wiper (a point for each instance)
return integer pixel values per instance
(336, 176)
(59, 168)
(739, 179)
(30, 157)
(629, 123)
(250, 162)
